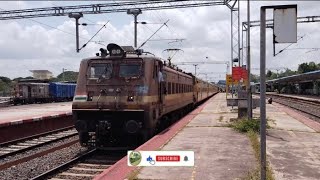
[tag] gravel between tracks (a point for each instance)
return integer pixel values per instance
(42, 164)
(37, 150)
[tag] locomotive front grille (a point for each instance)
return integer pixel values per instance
(116, 120)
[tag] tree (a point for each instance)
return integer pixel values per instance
(5, 79)
(19, 78)
(68, 76)
(269, 73)
(5, 86)
(308, 67)
(255, 78)
(287, 72)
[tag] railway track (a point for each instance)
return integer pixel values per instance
(85, 166)
(310, 107)
(22, 145)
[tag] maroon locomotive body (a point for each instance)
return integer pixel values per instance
(122, 97)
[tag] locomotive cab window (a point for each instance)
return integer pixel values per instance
(101, 70)
(130, 70)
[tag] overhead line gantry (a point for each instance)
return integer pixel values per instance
(144, 5)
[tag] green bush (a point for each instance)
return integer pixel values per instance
(245, 125)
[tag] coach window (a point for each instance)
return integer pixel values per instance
(177, 87)
(172, 88)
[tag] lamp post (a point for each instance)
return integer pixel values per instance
(77, 16)
(195, 69)
(249, 103)
(135, 13)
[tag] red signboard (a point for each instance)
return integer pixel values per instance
(244, 73)
(239, 73)
(236, 73)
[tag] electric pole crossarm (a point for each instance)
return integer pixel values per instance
(105, 8)
(269, 22)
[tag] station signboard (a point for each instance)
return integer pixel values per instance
(239, 73)
(236, 73)
(228, 79)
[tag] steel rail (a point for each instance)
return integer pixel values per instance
(34, 136)
(307, 106)
(33, 156)
(27, 148)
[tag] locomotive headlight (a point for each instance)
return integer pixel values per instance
(130, 98)
(116, 51)
(90, 96)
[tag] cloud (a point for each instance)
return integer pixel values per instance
(25, 46)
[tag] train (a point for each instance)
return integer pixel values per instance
(37, 91)
(123, 94)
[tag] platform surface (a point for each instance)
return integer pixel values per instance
(19, 113)
(220, 152)
(293, 144)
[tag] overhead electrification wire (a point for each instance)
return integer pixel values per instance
(288, 46)
(164, 24)
(50, 26)
(151, 31)
(94, 35)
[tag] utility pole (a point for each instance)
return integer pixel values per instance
(135, 13)
(249, 98)
(76, 16)
(195, 69)
(63, 69)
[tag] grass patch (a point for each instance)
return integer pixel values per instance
(255, 144)
(247, 125)
(252, 129)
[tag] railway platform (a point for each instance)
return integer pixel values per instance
(222, 153)
(26, 120)
(292, 144)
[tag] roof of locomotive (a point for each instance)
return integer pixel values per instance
(144, 57)
(129, 55)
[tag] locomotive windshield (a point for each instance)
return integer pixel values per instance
(101, 71)
(130, 70)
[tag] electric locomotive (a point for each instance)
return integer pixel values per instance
(122, 95)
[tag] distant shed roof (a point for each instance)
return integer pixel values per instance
(40, 71)
(305, 77)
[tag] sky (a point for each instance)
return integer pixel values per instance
(49, 42)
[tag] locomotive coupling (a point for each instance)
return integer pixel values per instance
(133, 126)
(104, 127)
